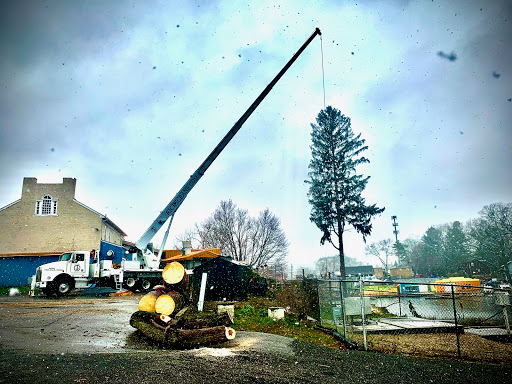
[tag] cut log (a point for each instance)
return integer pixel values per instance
(175, 276)
(168, 303)
(148, 301)
(204, 336)
(204, 321)
(146, 323)
(162, 289)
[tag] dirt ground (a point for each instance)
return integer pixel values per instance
(473, 348)
(89, 340)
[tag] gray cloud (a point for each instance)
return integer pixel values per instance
(120, 89)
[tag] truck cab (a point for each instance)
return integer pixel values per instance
(74, 269)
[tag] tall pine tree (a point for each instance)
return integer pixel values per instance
(335, 187)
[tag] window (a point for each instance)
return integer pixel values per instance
(46, 206)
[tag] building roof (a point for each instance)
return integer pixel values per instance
(225, 259)
(360, 270)
(25, 254)
(177, 255)
(9, 205)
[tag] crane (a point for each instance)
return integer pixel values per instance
(141, 246)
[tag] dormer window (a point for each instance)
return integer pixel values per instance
(46, 206)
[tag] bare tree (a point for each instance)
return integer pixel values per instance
(187, 235)
(331, 264)
(383, 250)
(255, 241)
(267, 239)
(491, 236)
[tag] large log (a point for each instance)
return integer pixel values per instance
(148, 301)
(175, 276)
(148, 324)
(204, 321)
(204, 336)
(169, 303)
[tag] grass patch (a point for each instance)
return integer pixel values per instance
(23, 290)
(252, 316)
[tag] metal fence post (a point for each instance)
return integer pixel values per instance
(399, 300)
(455, 318)
(361, 293)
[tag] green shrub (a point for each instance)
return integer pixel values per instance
(246, 310)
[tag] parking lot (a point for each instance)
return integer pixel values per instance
(86, 339)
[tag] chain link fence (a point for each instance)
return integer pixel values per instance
(423, 319)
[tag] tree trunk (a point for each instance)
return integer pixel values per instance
(191, 322)
(147, 303)
(204, 336)
(342, 252)
(169, 303)
(149, 324)
(175, 276)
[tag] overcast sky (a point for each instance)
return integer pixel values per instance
(129, 97)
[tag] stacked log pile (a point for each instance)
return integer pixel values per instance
(162, 315)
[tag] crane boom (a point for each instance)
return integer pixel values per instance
(175, 203)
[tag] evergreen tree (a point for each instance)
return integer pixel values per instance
(456, 248)
(401, 252)
(430, 261)
(335, 187)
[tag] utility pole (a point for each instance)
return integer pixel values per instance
(395, 231)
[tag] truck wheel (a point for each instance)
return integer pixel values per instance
(145, 285)
(131, 283)
(63, 286)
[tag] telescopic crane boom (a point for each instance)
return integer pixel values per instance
(175, 203)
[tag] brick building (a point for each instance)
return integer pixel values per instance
(46, 222)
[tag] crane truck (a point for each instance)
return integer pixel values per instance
(140, 270)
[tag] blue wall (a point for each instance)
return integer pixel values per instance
(15, 271)
(119, 252)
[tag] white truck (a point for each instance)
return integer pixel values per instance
(80, 269)
(84, 269)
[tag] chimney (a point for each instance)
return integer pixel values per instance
(69, 186)
(29, 184)
(187, 247)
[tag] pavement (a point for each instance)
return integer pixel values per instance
(84, 339)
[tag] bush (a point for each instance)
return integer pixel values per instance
(246, 310)
(300, 298)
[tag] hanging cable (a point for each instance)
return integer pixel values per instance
(323, 74)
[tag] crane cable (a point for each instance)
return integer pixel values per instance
(323, 73)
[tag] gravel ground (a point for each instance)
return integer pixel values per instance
(300, 363)
(88, 340)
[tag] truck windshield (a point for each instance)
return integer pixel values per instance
(65, 257)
